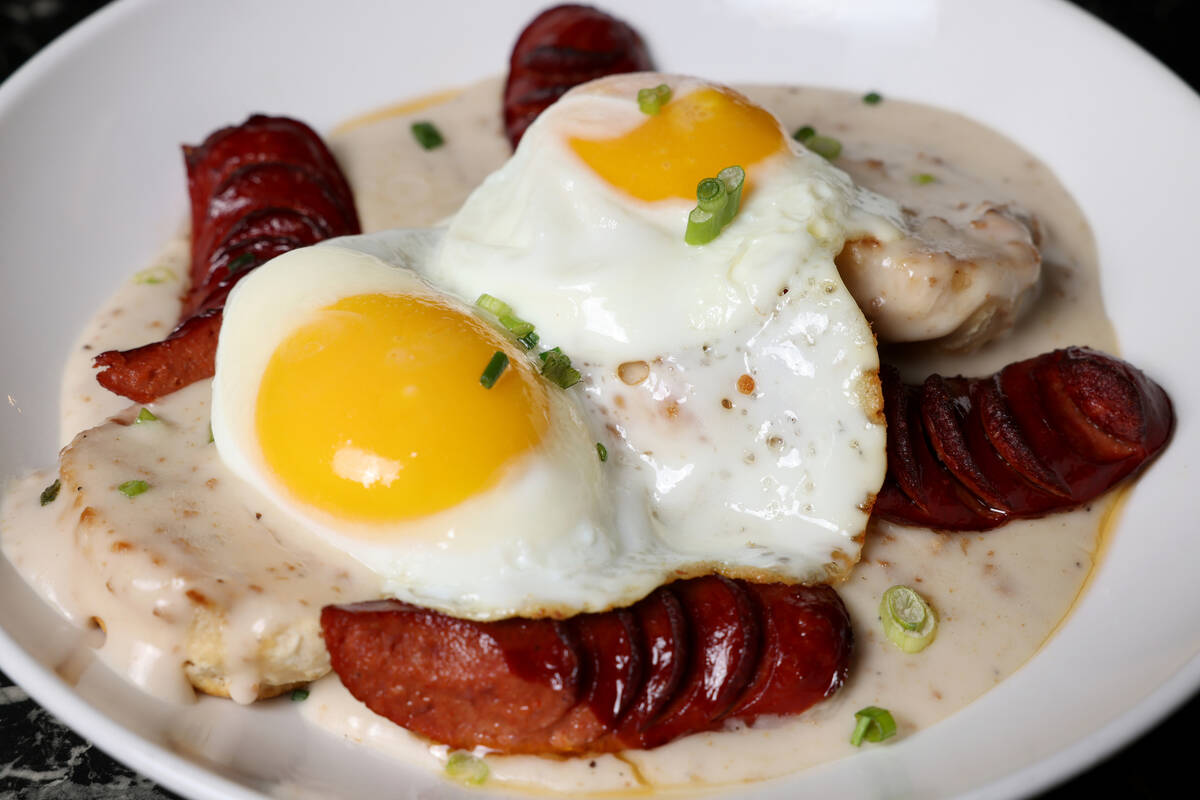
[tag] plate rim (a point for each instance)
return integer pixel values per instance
(191, 779)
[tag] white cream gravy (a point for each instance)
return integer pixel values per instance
(998, 595)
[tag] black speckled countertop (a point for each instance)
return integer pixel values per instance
(40, 758)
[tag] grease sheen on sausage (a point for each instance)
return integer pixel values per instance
(563, 47)
(257, 190)
(685, 659)
(1041, 435)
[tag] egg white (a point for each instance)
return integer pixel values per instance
(774, 484)
(770, 483)
(528, 545)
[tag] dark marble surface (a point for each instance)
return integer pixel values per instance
(40, 758)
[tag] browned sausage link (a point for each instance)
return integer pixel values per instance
(685, 659)
(1041, 435)
(146, 373)
(258, 190)
(563, 47)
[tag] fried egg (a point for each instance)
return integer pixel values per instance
(731, 387)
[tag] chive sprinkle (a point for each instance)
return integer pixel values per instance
(50, 493)
(427, 135)
(826, 146)
(804, 133)
(514, 324)
(908, 621)
(493, 304)
(872, 98)
(467, 768)
(153, 275)
(873, 724)
(145, 415)
(651, 101)
(556, 368)
(717, 202)
(493, 370)
(602, 451)
(923, 178)
(133, 488)
(299, 695)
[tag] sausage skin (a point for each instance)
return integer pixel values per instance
(686, 659)
(563, 47)
(1041, 435)
(257, 190)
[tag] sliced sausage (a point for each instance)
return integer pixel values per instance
(257, 190)
(503, 685)
(146, 373)
(683, 660)
(807, 641)
(563, 47)
(723, 654)
(1041, 435)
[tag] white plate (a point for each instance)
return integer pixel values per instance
(91, 184)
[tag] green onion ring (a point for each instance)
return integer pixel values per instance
(908, 621)
(651, 101)
(467, 768)
(825, 146)
(133, 488)
(874, 724)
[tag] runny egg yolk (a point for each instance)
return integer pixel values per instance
(690, 139)
(373, 411)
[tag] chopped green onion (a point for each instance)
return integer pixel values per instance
(245, 261)
(602, 451)
(874, 724)
(529, 340)
(908, 621)
(493, 304)
(556, 368)
(154, 275)
(50, 493)
(872, 98)
(493, 370)
(734, 179)
(133, 488)
(825, 146)
(467, 768)
(299, 695)
(923, 178)
(711, 195)
(717, 201)
(702, 227)
(651, 101)
(503, 311)
(516, 326)
(210, 436)
(545, 354)
(427, 135)
(145, 415)
(805, 133)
